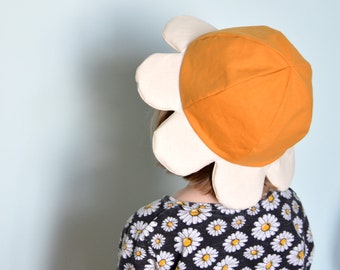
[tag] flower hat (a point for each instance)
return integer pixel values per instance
(241, 97)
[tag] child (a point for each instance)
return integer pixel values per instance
(232, 104)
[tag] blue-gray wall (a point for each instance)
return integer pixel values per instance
(74, 146)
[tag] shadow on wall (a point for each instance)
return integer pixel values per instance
(336, 250)
(108, 179)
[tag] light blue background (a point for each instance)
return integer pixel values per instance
(75, 148)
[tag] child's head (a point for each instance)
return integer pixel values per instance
(240, 97)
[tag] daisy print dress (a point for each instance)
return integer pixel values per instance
(169, 234)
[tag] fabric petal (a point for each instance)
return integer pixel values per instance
(178, 148)
(237, 187)
(180, 31)
(281, 172)
(158, 80)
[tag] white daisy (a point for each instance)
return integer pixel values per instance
(298, 225)
(227, 211)
(187, 241)
(282, 241)
(295, 206)
(265, 227)
(148, 209)
(310, 258)
(286, 212)
(129, 220)
(227, 263)
(169, 224)
(164, 260)
(139, 253)
(254, 252)
(238, 222)
(152, 265)
(235, 241)
(254, 210)
(151, 252)
(181, 266)
(272, 202)
(309, 235)
(194, 214)
(297, 255)
(169, 205)
(246, 268)
(157, 241)
(139, 230)
(286, 194)
(127, 247)
(216, 227)
(128, 266)
(205, 257)
(270, 262)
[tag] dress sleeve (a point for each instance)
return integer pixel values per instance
(135, 251)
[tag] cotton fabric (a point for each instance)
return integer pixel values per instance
(170, 234)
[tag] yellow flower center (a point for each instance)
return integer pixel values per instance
(169, 224)
(170, 204)
(147, 206)
(235, 242)
(253, 209)
(194, 212)
(271, 198)
(269, 265)
(124, 246)
(301, 255)
(265, 227)
(180, 203)
(283, 241)
(138, 253)
(225, 267)
(206, 257)
(287, 211)
(217, 227)
(254, 252)
(158, 241)
(201, 207)
(238, 222)
(297, 226)
(139, 231)
(187, 241)
(162, 262)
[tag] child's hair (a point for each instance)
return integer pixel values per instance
(202, 178)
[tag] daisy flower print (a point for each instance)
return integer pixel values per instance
(187, 241)
(216, 227)
(254, 210)
(272, 202)
(205, 257)
(286, 212)
(265, 227)
(127, 247)
(140, 230)
(238, 222)
(235, 241)
(270, 262)
(169, 224)
(297, 255)
(282, 241)
(254, 252)
(148, 209)
(228, 262)
(139, 253)
(157, 241)
(194, 214)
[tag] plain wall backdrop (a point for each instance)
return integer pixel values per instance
(75, 150)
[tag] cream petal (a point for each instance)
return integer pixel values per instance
(178, 148)
(158, 80)
(281, 172)
(237, 187)
(181, 30)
